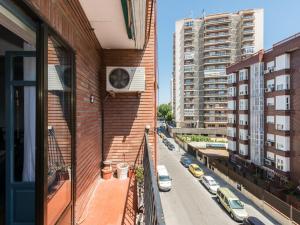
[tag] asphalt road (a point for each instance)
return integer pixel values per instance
(189, 202)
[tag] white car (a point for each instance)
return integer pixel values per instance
(210, 184)
(163, 179)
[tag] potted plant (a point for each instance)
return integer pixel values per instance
(130, 171)
(107, 173)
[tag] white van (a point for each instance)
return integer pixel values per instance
(163, 178)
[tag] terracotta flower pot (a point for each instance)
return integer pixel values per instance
(106, 174)
(130, 172)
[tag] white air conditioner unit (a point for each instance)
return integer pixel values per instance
(125, 79)
(268, 162)
(266, 71)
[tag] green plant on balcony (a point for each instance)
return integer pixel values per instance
(139, 174)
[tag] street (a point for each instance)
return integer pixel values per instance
(189, 202)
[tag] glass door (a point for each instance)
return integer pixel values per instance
(20, 92)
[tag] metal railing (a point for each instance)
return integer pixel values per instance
(153, 213)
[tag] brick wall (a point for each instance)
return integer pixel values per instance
(126, 115)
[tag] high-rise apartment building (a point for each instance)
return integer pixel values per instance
(203, 47)
(264, 110)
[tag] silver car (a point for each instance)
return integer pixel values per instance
(210, 183)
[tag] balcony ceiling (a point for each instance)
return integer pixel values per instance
(107, 19)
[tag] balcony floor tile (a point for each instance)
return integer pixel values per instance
(112, 204)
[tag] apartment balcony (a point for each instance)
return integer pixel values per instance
(248, 24)
(218, 62)
(208, 89)
(215, 115)
(215, 81)
(217, 48)
(248, 17)
(248, 31)
(217, 21)
(189, 30)
(216, 28)
(116, 201)
(216, 55)
(214, 42)
(189, 37)
(217, 35)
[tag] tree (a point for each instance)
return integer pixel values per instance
(165, 111)
(169, 116)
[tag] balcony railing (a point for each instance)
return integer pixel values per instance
(153, 213)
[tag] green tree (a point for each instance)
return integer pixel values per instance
(169, 116)
(165, 111)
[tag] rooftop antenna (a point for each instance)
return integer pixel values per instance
(191, 14)
(203, 13)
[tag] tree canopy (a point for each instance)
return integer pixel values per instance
(165, 111)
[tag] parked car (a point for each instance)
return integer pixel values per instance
(196, 170)
(161, 135)
(210, 184)
(185, 161)
(163, 179)
(232, 204)
(171, 146)
(251, 220)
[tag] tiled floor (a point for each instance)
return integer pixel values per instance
(113, 203)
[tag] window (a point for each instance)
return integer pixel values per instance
(282, 143)
(283, 163)
(279, 164)
(243, 119)
(189, 23)
(243, 134)
(270, 119)
(243, 89)
(243, 104)
(270, 156)
(231, 105)
(60, 128)
(231, 91)
(270, 101)
(282, 62)
(283, 102)
(243, 75)
(282, 82)
(282, 122)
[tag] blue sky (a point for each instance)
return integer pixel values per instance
(281, 19)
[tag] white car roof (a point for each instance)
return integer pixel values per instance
(209, 178)
(162, 170)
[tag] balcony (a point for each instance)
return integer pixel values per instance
(217, 55)
(248, 17)
(120, 202)
(248, 31)
(219, 34)
(217, 21)
(216, 28)
(218, 47)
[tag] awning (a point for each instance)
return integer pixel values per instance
(118, 24)
(214, 152)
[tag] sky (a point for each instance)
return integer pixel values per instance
(281, 20)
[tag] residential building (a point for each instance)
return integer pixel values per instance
(60, 117)
(203, 47)
(263, 110)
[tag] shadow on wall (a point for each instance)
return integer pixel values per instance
(122, 127)
(126, 114)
